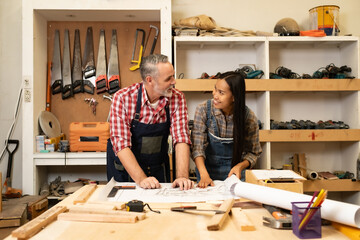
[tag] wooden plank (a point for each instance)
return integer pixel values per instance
(217, 221)
(343, 185)
(85, 194)
(34, 226)
(90, 217)
(311, 135)
(241, 220)
(81, 209)
(13, 215)
(261, 85)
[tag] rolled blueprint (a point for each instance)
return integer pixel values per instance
(332, 210)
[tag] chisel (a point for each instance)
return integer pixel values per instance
(76, 73)
(113, 83)
(67, 90)
(101, 79)
(88, 66)
(56, 78)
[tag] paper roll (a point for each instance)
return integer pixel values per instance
(341, 212)
(313, 175)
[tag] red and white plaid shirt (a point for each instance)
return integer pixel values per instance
(123, 109)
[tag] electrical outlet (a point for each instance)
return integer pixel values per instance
(27, 95)
(27, 81)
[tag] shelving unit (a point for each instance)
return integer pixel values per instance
(36, 14)
(285, 99)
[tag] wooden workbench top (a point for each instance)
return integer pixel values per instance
(168, 225)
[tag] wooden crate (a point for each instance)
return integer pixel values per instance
(294, 185)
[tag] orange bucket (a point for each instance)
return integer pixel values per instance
(325, 18)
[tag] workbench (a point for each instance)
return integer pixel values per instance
(167, 225)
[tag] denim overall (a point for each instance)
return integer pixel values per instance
(218, 152)
(149, 145)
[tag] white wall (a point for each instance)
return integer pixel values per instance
(10, 81)
(254, 15)
(262, 15)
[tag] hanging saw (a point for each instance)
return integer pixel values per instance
(67, 90)
(76, 73)
(155, 39)
(88, 66)
(137, 66)
(101, 79)
(56, 77)
(113, 83)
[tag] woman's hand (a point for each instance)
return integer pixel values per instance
(205, 181)
(236, 170)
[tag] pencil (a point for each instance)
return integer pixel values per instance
(319, 200)
(309, 205)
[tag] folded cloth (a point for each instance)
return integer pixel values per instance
(201, 21)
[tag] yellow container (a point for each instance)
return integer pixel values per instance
(325, 18)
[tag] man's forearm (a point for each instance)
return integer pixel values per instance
(131, 165)
(182, 155)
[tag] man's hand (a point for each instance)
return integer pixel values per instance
(183, 183)
(205, 181)
(149, 183)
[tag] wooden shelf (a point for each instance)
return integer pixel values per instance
(311, 135)
(342, 185)
(275, 84)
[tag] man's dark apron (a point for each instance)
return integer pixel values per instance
(219, 151)
(149, 145)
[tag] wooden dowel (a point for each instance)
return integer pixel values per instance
(217, 221)
(241, 220)
(82, 209)
(34, 226)
(85, 194)
(89, 217)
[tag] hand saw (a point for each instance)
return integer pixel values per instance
(88, 66)
(101, 79)
(67, 90)
(113, 83)
(76, 73)
(155, 38)
(137, 66)
(56, 77)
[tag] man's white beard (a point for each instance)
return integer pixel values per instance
(165, 93)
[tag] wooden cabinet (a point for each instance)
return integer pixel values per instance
(38, 17)
(284, 99)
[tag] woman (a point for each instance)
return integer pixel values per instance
(225, 136)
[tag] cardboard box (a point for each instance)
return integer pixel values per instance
(282, 179)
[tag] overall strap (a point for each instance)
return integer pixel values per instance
(210, 118)
(138, 104)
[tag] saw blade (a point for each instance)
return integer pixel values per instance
(113, 70)
(56, 78)
(88, 66)
(76, 67)
(66, 68)
(101, 79)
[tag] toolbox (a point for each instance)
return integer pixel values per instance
(281, 179)
(89, 136)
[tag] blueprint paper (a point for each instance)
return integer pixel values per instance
(168, 194)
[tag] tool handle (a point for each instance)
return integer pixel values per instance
(67, 91)
(101, 84)
(78, 86)
(10, 159)
(113, 84)
(88, 87)
(56, 87)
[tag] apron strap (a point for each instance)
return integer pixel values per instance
(211, 119)
(138, 104)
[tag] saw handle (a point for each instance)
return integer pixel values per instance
(56, 87)
(101, 83)
(113, 84)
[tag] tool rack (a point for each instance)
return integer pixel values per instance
(40, 19)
